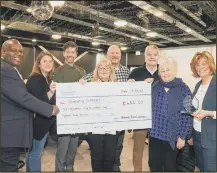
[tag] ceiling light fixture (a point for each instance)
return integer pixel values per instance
(188, 30)
(120, 23)
(29, 10)
(158, 13)
(57, 3)
(151, 34)
(42, 10)
(34, 40)
(3, 27)
(56, 36)
(123, 48)
(94, 43)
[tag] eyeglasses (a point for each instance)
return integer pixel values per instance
(104, 69)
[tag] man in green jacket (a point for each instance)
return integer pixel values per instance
(67, 73)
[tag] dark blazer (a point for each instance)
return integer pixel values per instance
(208, 126)
(17, 107)
(38, 87)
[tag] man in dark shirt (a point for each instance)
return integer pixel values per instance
(149, 73)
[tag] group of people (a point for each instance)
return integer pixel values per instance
(29, 111)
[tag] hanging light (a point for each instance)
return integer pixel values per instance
(94, 43)
(120, 23)
(123, 48)
(188, 30)
(29, 10)
(3, 27)
(151, 34)
(158, 13)
(42, 10)
(34, 40)
(57, 3)
(56, 36)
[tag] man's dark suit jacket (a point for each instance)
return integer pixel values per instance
(208, 126)
(17, 109)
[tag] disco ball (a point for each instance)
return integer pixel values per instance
(42, 10)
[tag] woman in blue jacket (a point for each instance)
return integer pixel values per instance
(204, 126)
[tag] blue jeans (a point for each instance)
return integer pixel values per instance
(33, 158)
(198, 149)
(205, 157)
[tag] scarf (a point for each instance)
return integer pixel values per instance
(175, 98)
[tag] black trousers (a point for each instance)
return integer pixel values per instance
(9, 159)
(103, 149)
(119, 148)
(162, 158)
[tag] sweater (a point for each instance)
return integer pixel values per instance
(68, 74)
(168, 123)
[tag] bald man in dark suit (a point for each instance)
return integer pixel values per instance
(17, 107)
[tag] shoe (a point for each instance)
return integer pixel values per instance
(116, 170)
(69, 170)
(21, 164)
(146, 141)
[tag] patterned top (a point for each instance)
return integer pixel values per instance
(160, 120)
(168, 123)
(122, 74)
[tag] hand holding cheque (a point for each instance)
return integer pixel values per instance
(102, 106)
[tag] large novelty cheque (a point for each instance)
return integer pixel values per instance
(103, 106)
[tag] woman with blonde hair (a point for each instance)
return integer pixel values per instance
(39, 84)
(204, 127)
(104, 72)
(102, 145)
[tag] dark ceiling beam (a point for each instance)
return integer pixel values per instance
(177, 15)
(211, 5)
(69, 35)
(186, 11)
(83, 23)
(151, 9)
(40, 30)
(59, 45)
(133, 26)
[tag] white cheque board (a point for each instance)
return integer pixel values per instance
(103, 106)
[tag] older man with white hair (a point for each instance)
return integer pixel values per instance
(122, 73)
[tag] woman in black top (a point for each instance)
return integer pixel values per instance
(39, 84)
(102, 144)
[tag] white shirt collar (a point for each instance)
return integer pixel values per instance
(18, 73)
(152, 72)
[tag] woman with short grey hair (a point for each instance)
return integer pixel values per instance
(170, 127)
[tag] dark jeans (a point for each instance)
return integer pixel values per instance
(162, 158)
(119, 148)
(197, 149)
(205, 157)
(9, 159)
(103, 148)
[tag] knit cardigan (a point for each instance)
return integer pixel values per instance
(168, 123)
